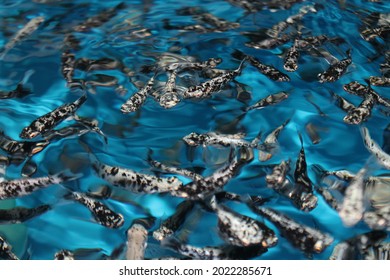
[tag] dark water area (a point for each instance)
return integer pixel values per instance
(109, 50)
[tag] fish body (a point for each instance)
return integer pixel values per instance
(365, 91)
(382, 157)
(369, 34)
(48, 121)
(64, 255)
(102, 214)
(137, 236)
(336, 70)
(268, 100)
(362, 112)
(19, 92)
(277, 178)
(216, 139)
(5, 250)
(170, 97)
(136, 100)
(380, 81)
(197, 66)
(341, 102)
(269, 43)
(21, 214)
(21, 148)
(270, 143)
(291, 58)
(68, 61)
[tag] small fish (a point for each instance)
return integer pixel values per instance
(194, 27)
(268, 100)
(137, 236)
(240, 230)
(25, 186)
(343, 174)
(378, 219)
(68, 62)
(382, 157)
(170, 97)
(136, 100)
(26, 31)
(380, 81)
(102, 214)
(369, 34)
(205, 89)
(21, 148)
(5, 250)
(64, 255)
(305, 238)
(336, 70)
(270, 144)
(197, 66)
(365, 91)
(169, 226)
(269, 43)
(134, 181)
(267, 70)
(21, 214)
(329, 198)
(352, 208)
(362, 112)
(291, 58)
(277, 179)
(216, 139)
(48, 121)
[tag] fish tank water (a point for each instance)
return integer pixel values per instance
(260, 83)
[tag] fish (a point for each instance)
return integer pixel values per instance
(21, 149)
(268, 100)
(365, 91)
(48, 121)
(267, 70)
(378, 219)
(313, 41)
(21, 214)
(6, 250)
(64, 255)
(135, 102)
(137, 236)
(358, 247)
(291, 58)
(269, 43)
(102, 214)
(241, 230)
(336, 70)
(68, 61)
(197, 66)
(307, 239)
(25, 186)
(270, 144)
(224, 252)
(382, 157)
(170, 225)
(342, 174)
(134, 181)
(379, 81)
(370, 34)
(216, 139)
(352, 208)
(26, 31)
(170, 97)
(19, 92)
(362, 112)
(216, 84)
(277, 178)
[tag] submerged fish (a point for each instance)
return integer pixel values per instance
(270, 144)
(336, 70)
(5, 250)
(269, 100)
(102, 214)
(68, 61)
(305, 238)
(291, 58)
(64, 255)
(378, 219)
(277, 179)
(197, 66)
(19, 92)
(382, 157)
(380, 81)
(216, 139)
(170, 97)
(48, 121)
(362, 112)
(366, 91)
(21, 214)
(136, 100)
(21, 149)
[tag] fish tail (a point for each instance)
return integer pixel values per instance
(65, 176)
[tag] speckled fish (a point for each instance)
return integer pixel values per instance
(268, 100)
(102, 214)
(197, 66)
(25, 186)
(365, 91)
(291, 58)
(305, 238)
(226, 252)
(68, 62)
(378, 219)
(170, 97)
(373, 147)
(5, 250)
(21, 148)
(137, 236)
(170, 225)
(267, 70)
(278, 176)
(352, 208)
(48, 121)
(219, 24)
(27, 30)
(379, 81)
(269, 43)
(335, 71)
(136, 100)
(362, 112)
(205, 89)
(21, 214)
(216, 139)
(134, 181)
(369, 34)
(358, 247)
(193, 27)
(240, 230)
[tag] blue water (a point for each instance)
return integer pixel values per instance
(69, 225)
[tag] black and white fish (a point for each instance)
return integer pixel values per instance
(240, 230)
(193, 27)
(314, 41)
(291, 57)
(48, 121)
(216, 139)
(64, 255)
(373, 147)
(267, 70)
(25, 186)
(380, 81)
(369, 34)
(277, 179)
(137, 236)
(21, 214)
(362, 112)
(269, 100)
(6, 250)
(305, 238)
(378, 219)
(219, 24)
(136, 100)
(102, 214)
(365, 91)
(196, 66)
(21, 148)
(26, 31)
(352, 208)
(216, 84)
(170, 225)
(269, 43)
(336, 70)
(170, 97)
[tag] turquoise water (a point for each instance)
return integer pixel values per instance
(135, 36)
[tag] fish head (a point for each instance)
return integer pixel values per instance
(192, 139)
(28, 133)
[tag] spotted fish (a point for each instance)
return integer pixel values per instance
(137, 236)
(216, 139)
(291, 58)
(268, 100)
(64, 255)
(362, 112)
(365, 91)
(197, 66)
(48, 121)
(270, 144)
(382, 157)
(380, 81)
(378, 219)
(136, 100)
(278, 176)
(336, 70)
(170, 98)
(5, 250)
(102, 214)
(21, 214)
